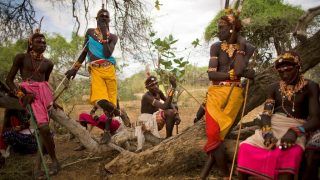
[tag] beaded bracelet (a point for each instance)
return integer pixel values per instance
(213, 57)
(241, 52)
(300, 131)
(211, 70)
(266, 128)
(171, 92)
(19, 93)
(77, 66)
(232, 74)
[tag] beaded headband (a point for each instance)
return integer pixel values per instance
(288, 58)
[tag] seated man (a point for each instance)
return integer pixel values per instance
(91, 120)
(290, 111)
(154, 113)
(16, 132)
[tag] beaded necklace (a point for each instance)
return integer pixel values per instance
(289, 92)
(99, 36)
(230, 48)
(35, 57)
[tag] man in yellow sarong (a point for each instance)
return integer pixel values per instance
(99, 46)
(228, 61)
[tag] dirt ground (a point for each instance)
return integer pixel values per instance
(83, 164)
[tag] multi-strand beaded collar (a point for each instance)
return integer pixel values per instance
(229, 48)
(289, 92)
(99, 36)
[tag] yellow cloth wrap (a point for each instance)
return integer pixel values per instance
(103, 84)
(216, 97)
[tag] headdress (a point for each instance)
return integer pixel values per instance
(288, 57)
(102, 11)
(35, 34)
(231, 15)
(150, 81)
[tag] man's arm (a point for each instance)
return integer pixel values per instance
(313, 122)
(154, 102)
(17, 63)
(162, 96)
(83, 54)
(213, 73)
(109, 45)
(48, 72)
(269, 140)
(73, 71)
(168, 101)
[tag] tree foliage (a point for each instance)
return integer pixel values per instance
(17, 19)
(8, 51)
(129, 20)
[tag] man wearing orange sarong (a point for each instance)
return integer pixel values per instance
(228, 62)
(219, 121)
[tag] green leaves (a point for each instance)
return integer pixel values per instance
(196, 43)
(169, 63)
(157, 5)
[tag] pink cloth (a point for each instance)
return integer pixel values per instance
(100, 123)
(43, 98)
(267, 164)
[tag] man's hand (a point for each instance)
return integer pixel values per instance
(173, 81)
(249, 73)
(270, 141)
(27, 99)
(288, 140)
(71, 73)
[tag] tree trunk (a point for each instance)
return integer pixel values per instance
(179, 154)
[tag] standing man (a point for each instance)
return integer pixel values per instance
(99, 46)
(34, 89)
(290, 111)
(228, 61)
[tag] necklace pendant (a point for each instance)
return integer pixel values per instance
(293, 109)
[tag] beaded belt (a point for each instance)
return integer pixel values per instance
(104, 64)
(226, 83)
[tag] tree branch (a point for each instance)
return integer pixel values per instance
(301, 28)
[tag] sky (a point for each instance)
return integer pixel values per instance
(186, 20)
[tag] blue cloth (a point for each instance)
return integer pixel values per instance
(96, 48)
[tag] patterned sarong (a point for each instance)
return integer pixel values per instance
(43, 99)
(150, 121)
(255, 159)
(218, 121)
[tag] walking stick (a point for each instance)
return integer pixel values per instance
(65, 77)
(240, 126)
(228, 97)
(36, 131)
